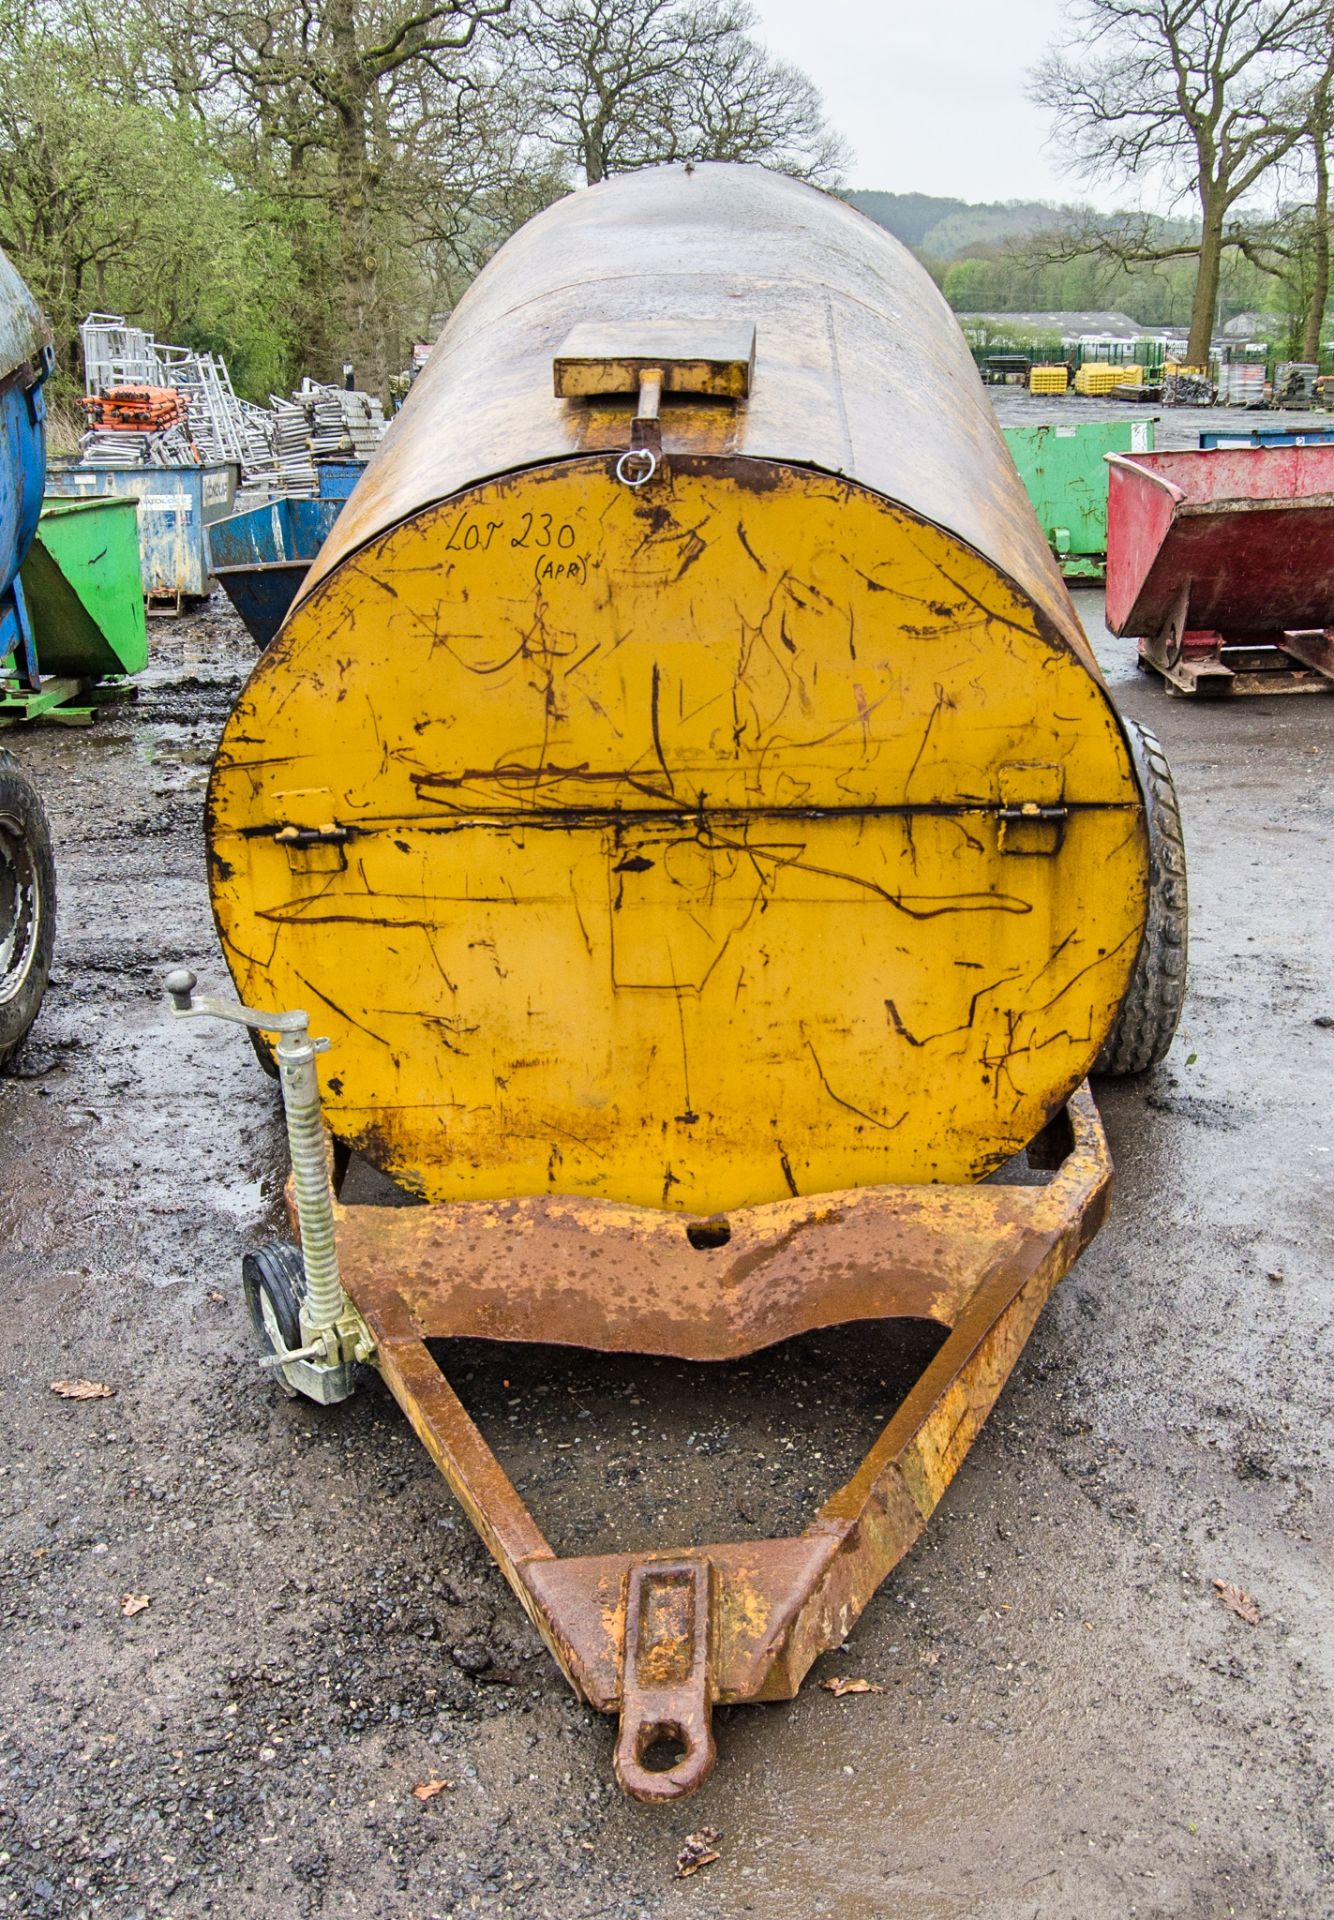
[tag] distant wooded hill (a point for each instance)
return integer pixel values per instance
(981, 262)
(978, 255)
(942, 229)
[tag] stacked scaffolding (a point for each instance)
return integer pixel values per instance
(115, 447)
(214, 409)
(320, 423)
(117, 355)
(136, 409)
(276, 450)
(293, 454)
(220, 427)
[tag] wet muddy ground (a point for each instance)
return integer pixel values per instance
(1072, 1724)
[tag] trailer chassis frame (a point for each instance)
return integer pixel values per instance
(1207, 663)
(661, 1637)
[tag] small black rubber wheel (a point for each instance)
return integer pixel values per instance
(1147, 1021)
(274, 1280)
(27, 903)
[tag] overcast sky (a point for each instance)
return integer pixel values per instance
(931, 92)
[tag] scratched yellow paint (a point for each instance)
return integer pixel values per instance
(673, 869)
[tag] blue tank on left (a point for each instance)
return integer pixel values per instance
(26, 361)
(27, 873)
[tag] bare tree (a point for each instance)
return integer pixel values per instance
(622, 84)
(1321, 131)
(1208, 95)
(737, 103)
(471, 166)
(1293, 247)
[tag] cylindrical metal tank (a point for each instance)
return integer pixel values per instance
(27, 872)
(761, 829)
(25, 362)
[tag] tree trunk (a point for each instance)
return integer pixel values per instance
(361, 342)
(1315, 313)
(594, 154)
(357, 262)
(1206, 284)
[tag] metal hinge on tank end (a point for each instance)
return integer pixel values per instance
(318, 847)
(1032, 815)
(650, 359)
(330, 834)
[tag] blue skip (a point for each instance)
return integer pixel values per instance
(260, 558)
(1293, 436)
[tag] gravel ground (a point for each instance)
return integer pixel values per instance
(1072, 1722)
(1175, 428)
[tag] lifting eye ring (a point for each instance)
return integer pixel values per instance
(631, 460)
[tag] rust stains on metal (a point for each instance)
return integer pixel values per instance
(660, 1638)
(705, 868)
(859, 369)
(667, 1669)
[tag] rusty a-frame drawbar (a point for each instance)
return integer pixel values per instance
(660, 1637)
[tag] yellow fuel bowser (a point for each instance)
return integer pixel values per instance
(685, 805)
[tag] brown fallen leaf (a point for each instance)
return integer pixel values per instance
(82, 1390)
(1238, 1602)
(132, 1603)
(700, 1848)
(428, 1789)
(840, 1685)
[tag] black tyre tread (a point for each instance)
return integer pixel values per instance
(263, 1052)
(1147, 1022)
(20, 798)
(279, 1271)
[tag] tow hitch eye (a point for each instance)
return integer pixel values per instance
(333, 1333)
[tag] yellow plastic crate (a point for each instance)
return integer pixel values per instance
(1048, 379)
(1097, 377)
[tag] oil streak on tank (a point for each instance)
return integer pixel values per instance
(761, 829)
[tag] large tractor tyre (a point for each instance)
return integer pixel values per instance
(1147, 1022)
(27, 904)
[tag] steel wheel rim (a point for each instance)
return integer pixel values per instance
(272, 1331)
(271, 1335)
(20, 909)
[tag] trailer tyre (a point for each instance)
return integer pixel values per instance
(263, 1052)
(274, 1280)
(27, 904)
(1149, 1014)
